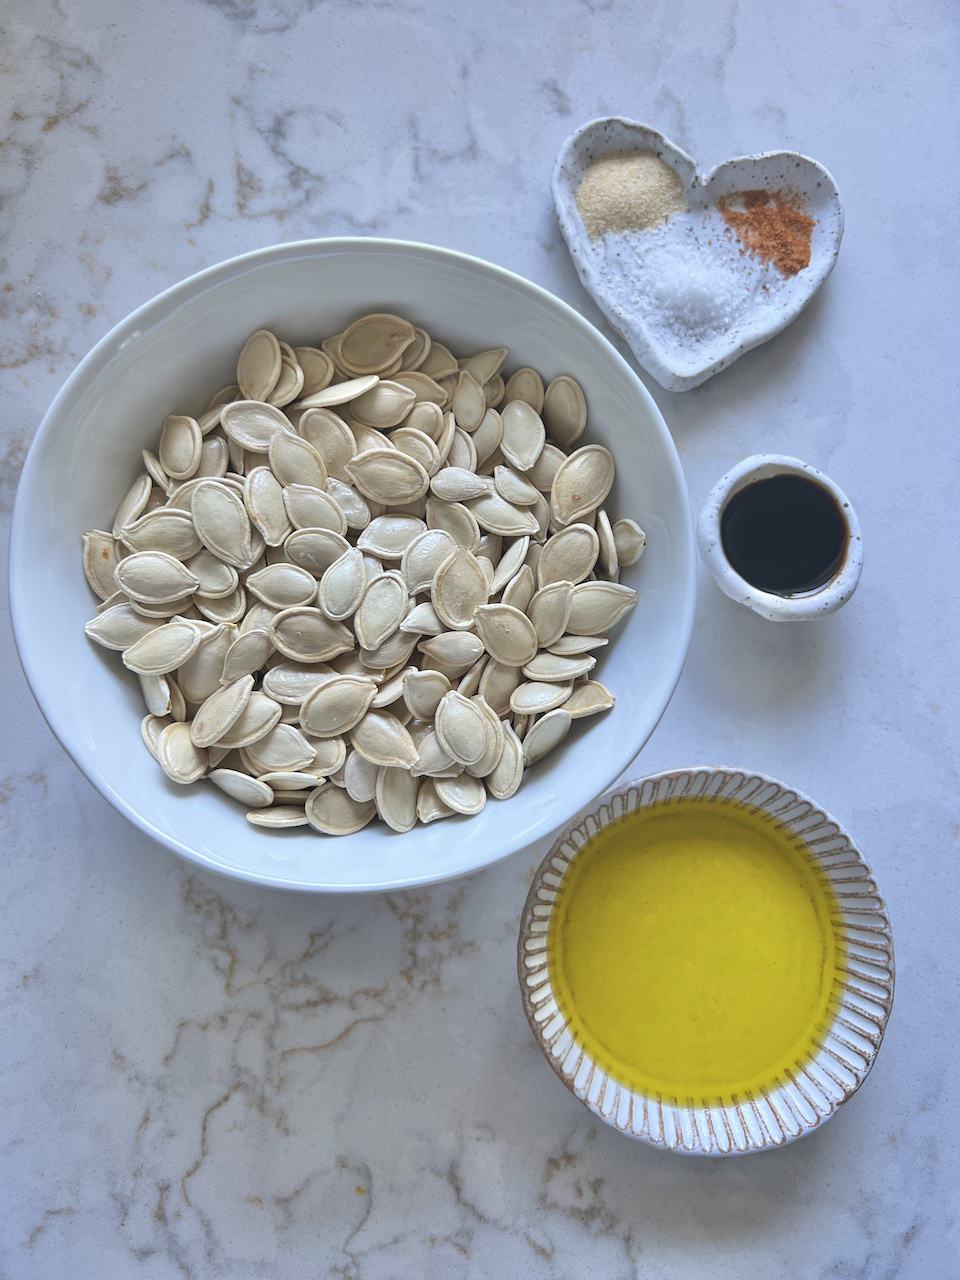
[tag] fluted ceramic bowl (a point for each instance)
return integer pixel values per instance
(169, 356)
(812, 1094)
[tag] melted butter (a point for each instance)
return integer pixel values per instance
(695, 949)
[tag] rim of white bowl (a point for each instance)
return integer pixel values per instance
(814, 1093)
(97, 357)
(802, 608)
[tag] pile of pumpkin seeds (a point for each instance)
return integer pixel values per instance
(369, 579)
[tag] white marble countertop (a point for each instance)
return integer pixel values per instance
(199, 1079)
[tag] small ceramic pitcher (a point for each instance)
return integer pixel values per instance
(778, 608)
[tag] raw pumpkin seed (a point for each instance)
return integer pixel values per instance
(419, 567)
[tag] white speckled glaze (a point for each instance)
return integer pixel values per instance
(801, 608)
(771, 170)
(810, 1095)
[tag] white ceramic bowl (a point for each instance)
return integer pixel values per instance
(813, 1091)
(169, 356)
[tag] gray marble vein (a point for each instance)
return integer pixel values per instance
(203, 1080)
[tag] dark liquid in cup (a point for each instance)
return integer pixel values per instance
(785, 535)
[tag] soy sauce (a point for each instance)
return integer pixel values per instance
(785, 535)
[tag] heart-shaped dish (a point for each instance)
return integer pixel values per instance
(622, 272)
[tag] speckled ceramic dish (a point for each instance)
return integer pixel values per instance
(809, 1095)
(622, 292)
(800, 608)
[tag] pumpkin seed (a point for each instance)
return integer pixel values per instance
(180, 444)
(291, 684)
(283, 748)
(389, 536)
(509, 565)
(201, 674)
(282, 585)
(215, 577)
(629, 540)
(381, 609)
(356, 510)
(360, 777)
(439, 362)
(514, 487)
(553, 668)
(546, 734)
(338, 393)
(396, 798)
(333, 440)
(246, 655)
(427, 417)
(458, 589)
(565, 410)
(494, 743)
(259, 717)
(523, 435)
(543, 472)
(434, 760)
(372, 343)
(258, 367)
(382, 739)
(469, 404)
(550, 610)
(581, 484)
(463, 794)
(217, 715)
(485, 364)
(317, 369)
(337, 705)
(134, 503)
(498, 516)
(506, 777)
(418, 445)
(430, 807)
(240, 786)
(519, 590)
(507, 634)
(293, 460)
(289, 385)
(179, 757)
(457, 484)
(342, 586)
(497, 685)
(100, 562)
(312, 508)
(315, 549)
(305, 635)
(598, 606)
(388, 476)
(461, 728)
(384, 405)
(221, 521)
(418, 350)
(569, 556)
(536, 696)
(455, 519)
(454, 503)
(163, 529)
(422, 620)
(332, 812)
(153, 577)
(588, 699)
(570, 646)
(455, 649)
(278, 817)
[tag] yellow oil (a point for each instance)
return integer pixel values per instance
(695, 949)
